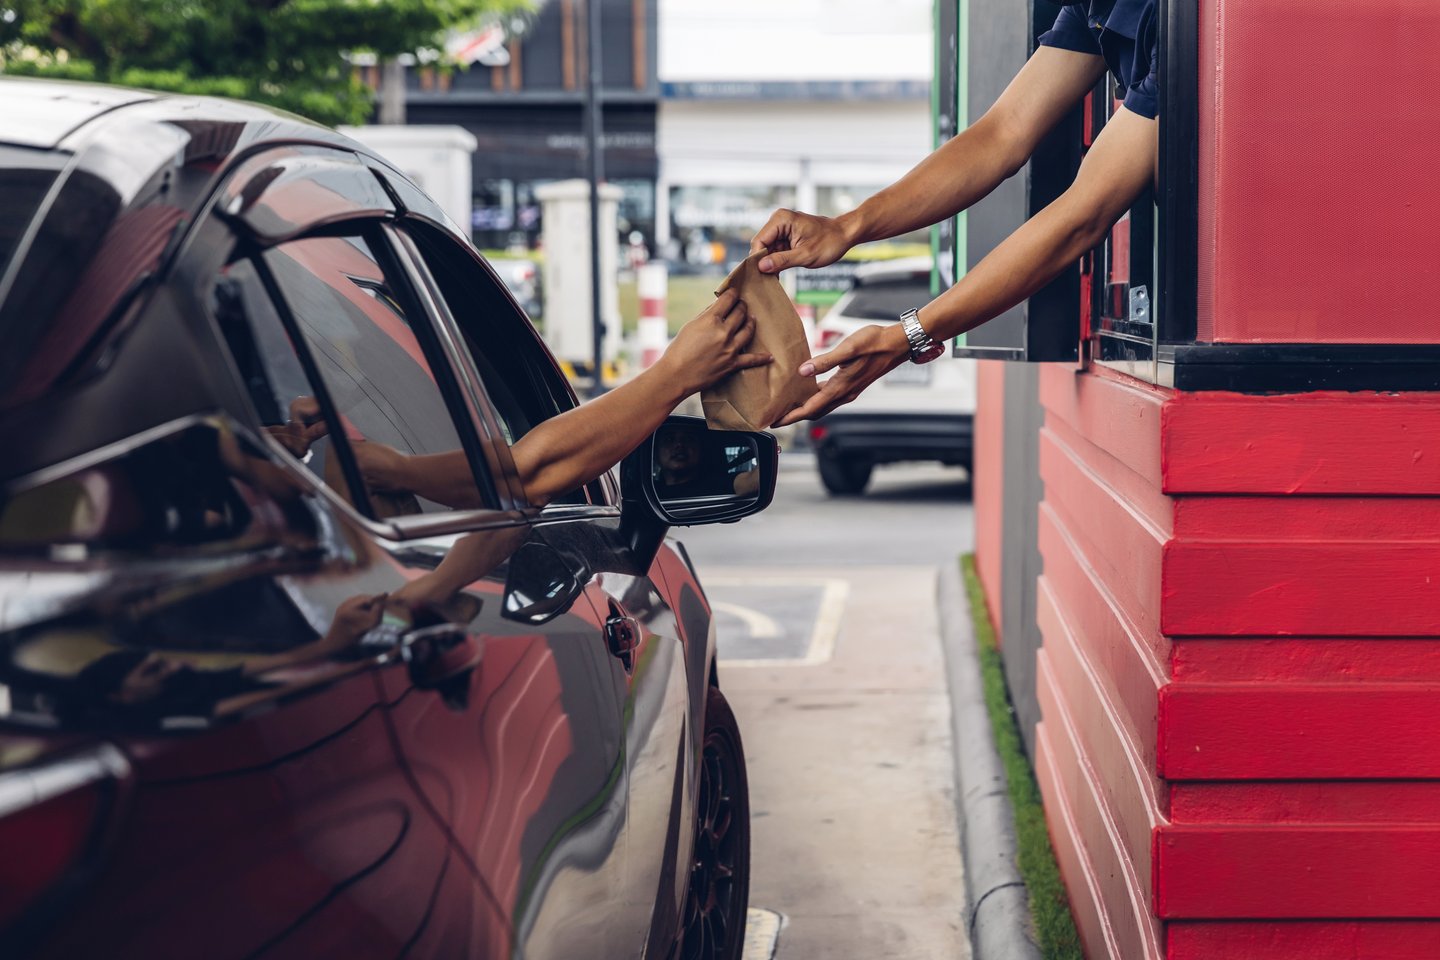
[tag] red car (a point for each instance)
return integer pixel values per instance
(254, 702)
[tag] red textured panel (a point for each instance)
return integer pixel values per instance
(1339, 251)
(1121, 418)
(1128, 788)
(988, 479)
(1300, 872)
(1307, 518)
(1305, 940)
(1313, 443)
(1131, 928)
(1140, 493)
(1115, 648)
(1081, 883)
(1342, 588)
(1212, 731)
(1295, 801)
(1118, 541)
(1310, 659)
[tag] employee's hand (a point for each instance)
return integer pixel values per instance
(714, 345)
(861, 358)
(801, 240)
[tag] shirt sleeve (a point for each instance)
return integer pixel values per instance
(1143, 97)
(1071, 32)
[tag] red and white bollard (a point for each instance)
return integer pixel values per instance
(653, 330)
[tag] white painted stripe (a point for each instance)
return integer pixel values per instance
(833, 595)
(762, 934)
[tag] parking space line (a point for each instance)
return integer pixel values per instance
(762, 934)
(833, 595)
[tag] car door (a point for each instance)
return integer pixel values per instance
(230, 641)
(509, 719)
(307, 323)
(637, 627)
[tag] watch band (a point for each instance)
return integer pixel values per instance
(922, 348)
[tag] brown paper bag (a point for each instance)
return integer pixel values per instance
(754, 399)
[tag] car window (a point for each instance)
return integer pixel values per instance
(887, 299)
(523, 384)
(368, 376)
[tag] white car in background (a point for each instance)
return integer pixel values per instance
(915, 412)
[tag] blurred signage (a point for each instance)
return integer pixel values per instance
(825, 285)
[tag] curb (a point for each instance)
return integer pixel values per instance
(998, 904)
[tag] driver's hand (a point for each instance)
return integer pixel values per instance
(305, 426)
(795, 239)
(715, 344)
(861, 358)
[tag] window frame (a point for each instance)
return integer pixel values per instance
(373, 230)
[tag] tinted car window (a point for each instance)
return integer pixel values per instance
(25, 177)
(887, 299)
(370, 364)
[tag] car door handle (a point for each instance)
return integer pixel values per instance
(622, 633)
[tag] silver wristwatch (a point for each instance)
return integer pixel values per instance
(922, 348)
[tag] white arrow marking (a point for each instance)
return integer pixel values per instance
(760, 626)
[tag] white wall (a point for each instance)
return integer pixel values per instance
(738, 142)
(795, 40)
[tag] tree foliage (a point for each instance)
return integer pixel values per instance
(289, 53)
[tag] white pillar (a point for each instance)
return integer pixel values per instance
(565, 234)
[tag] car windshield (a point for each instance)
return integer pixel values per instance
(888, 298)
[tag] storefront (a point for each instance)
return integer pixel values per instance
(527, 115)
(1208, 480)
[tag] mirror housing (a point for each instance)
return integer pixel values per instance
(685, 474)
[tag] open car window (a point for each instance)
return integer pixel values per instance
(524, 386)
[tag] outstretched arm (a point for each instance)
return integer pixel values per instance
(1121, 163)
(577, 446)
(959, 173)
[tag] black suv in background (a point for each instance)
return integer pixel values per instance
(251, 706)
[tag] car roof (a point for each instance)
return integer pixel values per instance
(883, 270)
(42, 113)
(98, 201)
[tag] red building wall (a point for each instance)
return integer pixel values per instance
(988, 480)
(1317, 171)
(1240, 676)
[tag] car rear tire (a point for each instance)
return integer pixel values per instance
(713, 924)
(844, 476)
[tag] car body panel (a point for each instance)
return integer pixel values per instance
(492, 782)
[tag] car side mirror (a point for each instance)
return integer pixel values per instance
(686, 474)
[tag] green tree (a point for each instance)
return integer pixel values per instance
(289, 53)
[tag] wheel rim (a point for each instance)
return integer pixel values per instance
(710, 904)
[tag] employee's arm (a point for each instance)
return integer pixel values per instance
(954, 177)
(1116, 170)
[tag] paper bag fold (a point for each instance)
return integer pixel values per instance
(754, 399)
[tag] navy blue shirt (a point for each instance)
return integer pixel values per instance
(1126, 34)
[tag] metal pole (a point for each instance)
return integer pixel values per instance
(595, 174)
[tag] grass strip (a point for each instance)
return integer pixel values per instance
(1049, 907)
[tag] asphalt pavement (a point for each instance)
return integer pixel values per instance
(830, 655)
